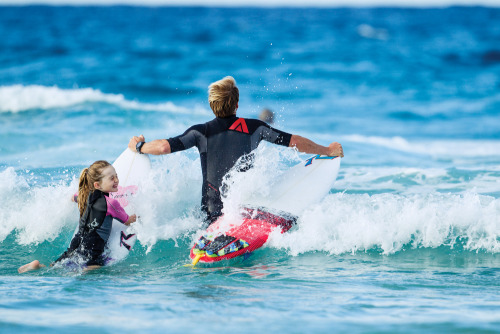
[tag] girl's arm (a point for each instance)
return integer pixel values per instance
(115, 210)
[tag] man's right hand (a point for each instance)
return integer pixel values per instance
(133, 142)
(335, 150)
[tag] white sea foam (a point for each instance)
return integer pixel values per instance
(169, 200)
(168, 204)
(18, 98)
(35, 213)
(351, 223)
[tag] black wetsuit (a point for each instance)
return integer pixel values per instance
(221, 142)
(89, 242)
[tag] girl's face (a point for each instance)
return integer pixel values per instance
(109, 181)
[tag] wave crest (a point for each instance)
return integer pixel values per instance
(345, 223)
(19, 98)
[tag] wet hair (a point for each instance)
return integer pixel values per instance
(223, 96)
(86, 185)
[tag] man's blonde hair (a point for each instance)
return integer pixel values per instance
(223, 96)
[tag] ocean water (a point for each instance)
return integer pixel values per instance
(407, 240)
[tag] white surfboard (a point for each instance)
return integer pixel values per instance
(131, 168)
(301, 186)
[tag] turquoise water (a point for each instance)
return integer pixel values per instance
(407, 240)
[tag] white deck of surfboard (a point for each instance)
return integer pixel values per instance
(301, 186)
(131, 168)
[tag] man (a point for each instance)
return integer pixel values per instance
(225, 139)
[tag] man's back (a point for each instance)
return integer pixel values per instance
(221, 142)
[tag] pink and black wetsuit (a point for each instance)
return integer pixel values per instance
(94, 228)
(221, 142)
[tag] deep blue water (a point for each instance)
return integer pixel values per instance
(407, 241)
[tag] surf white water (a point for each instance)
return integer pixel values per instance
(19, 98)
(410, 214)
(389, 223)
(34, 213)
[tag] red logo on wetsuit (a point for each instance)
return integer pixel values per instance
(240, 125)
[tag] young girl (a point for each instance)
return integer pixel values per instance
(97, 211)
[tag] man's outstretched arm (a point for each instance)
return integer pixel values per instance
(308, 146)
(155, 147)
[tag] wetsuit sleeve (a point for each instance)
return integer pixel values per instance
(115, 210)
(190, 138)
(273, 135)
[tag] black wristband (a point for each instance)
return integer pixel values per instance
(138, 147)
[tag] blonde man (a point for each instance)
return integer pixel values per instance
(223, 140)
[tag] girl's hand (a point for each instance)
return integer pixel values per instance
(131, 219)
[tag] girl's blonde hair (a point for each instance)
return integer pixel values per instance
(86, 185)
(223, 96)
